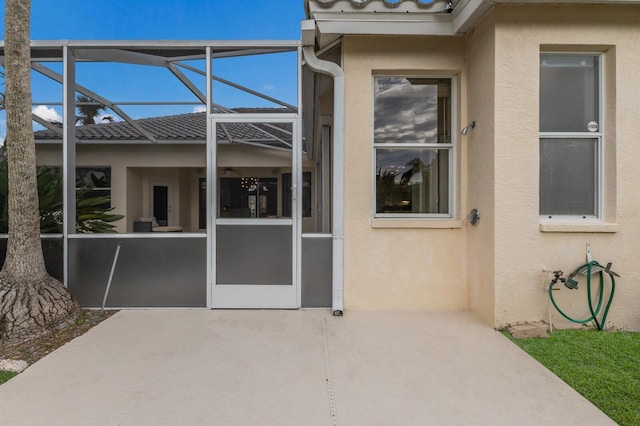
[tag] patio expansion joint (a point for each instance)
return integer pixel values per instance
(328, 374)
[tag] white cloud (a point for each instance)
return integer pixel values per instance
(47, 113)
(268, 87)
(101, 119)
(199, 108)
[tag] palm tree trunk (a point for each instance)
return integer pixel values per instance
(31, 302)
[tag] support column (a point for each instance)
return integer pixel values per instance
(68, 153)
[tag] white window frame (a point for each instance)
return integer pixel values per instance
(598, 136)
(451, 147)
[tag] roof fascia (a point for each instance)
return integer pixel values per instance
(333, 21)
(392, 24)
(468, 14)
(332, 24)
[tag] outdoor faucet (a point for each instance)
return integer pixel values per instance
(558, 276)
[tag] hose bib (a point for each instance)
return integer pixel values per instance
(589, 269)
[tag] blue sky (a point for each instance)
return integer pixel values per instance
(169, 20)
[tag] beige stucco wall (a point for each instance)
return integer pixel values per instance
(414, 264)
(481, 168)
(496, 268)
(522, 251)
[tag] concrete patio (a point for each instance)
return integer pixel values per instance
(305, 367)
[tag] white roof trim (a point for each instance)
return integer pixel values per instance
(335, 18)
(407, 18)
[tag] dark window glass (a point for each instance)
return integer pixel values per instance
(568, 177)
(412, 181)
(202, 203)
(306, 194)
(568, 92)
(248, 197)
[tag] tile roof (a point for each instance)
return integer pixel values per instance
(391, 4)
(187, 128)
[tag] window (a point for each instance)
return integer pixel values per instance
(413, 146)
(570, 135)
(248, 197)
(202, 203)
(94, 183)
(93, 198)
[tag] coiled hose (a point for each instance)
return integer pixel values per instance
(601, 270)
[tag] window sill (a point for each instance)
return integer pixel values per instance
(416, 223)
(600, 227)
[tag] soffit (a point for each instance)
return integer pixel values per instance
(335, 18)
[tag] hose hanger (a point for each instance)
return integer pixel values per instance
(589, 269)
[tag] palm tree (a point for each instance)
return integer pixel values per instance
(88, 110)
(32, 303)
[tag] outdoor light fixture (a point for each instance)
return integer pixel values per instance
(465, 130)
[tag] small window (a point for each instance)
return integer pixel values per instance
(570, 135)
(413, 146)
(93, 183)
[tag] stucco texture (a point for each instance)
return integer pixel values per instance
(522, 250)
(387, 267)
(481, 168)
(497, 269)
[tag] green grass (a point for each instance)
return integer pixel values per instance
(6, 375)
(602, 366)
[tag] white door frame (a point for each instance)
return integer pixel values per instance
(255, 296)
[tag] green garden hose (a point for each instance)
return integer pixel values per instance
(600, 270)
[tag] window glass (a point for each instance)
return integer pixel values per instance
(412, 141)
(93, 199)
(568, 92)
(202, 203)
(411, 110)
(568, 176)
(93, 183)
(306, 194)
(569, 159)
(248, 197)
(412, 181)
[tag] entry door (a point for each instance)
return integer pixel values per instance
(256, 235)
(161, 204)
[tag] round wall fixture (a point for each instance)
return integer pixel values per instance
(474, 217)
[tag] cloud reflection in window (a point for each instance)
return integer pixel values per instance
(405, 111)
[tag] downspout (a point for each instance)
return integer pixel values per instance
(334, 71)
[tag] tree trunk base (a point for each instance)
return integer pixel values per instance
(33, 307)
